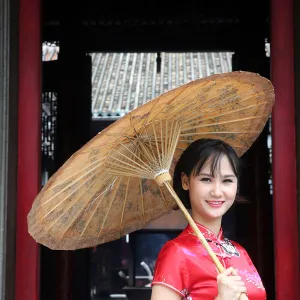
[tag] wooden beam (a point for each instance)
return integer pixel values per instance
(30, 48)
(284, 151)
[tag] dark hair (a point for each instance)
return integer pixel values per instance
(194, 158)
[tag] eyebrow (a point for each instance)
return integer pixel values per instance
(209, 175)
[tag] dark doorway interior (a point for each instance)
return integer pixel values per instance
(119, 27)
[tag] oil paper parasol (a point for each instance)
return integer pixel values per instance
(121, 180)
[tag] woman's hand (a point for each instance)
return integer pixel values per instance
(230, 285)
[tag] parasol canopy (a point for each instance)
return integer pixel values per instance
(120, 180)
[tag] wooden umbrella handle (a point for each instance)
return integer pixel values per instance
(198, 233)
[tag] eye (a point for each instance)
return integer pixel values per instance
(205, 179)
(228, 181)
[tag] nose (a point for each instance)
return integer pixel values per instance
(216, 190)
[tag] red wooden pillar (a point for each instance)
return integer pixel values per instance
(284, 151)
(27, 251)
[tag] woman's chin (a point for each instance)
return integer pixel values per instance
(215, 214)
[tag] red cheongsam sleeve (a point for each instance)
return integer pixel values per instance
(170, 269)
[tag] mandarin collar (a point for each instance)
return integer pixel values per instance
(207, 233)
(217, 242)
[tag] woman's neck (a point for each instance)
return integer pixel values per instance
(213, 225)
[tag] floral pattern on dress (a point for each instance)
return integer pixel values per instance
(252, 277)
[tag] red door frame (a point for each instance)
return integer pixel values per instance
(284, 151)
(284, 155)
(29, 149)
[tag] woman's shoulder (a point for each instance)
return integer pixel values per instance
(174, 245)
(173, 248)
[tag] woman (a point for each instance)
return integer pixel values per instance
(206, 180)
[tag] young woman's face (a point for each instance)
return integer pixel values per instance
(211, 196)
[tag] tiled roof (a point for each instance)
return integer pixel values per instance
(123, 81)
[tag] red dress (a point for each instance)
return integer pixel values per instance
(184, 266)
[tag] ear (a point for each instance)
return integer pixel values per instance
(185, 182)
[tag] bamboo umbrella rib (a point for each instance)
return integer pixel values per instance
(132, 140)
(131, 152)
(145, 151)
(71, 184)
(167, 140)
(194, 108)
(103, 147)
(161, 137)
(164, 141)
(141, 143)
(142, 201)
(63, 200)
(106, 146)
(129, 173)
(170, 137)
(131, 117)
(190, 141)
(197, 117)
(131, 160)
(117, 169)
(87, 204)
(158, 152)
(163, 197)
(154, 104)
(123, 209)
(120, 169)
(113, 197)
(77, 173)
(219, 132)
(92, 216)
(174, 140)
(220, 123)
(54, 208)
